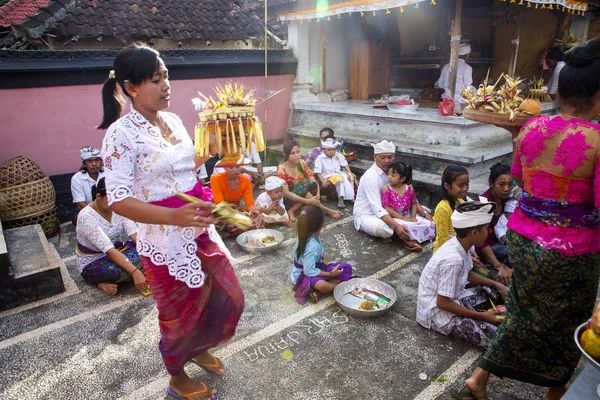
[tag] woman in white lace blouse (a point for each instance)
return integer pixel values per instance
(101, 258)
(149, 157)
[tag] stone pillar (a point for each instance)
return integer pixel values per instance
(299, 43)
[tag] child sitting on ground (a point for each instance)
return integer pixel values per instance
(271, 202)
(444, 303)
(310, 274)
(501, 227)
(400, 201)
(331, 168)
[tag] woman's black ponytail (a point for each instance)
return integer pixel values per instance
(310, 221)
(112, 103)
(134, 64)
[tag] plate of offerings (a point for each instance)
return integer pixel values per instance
(260, 241)
(364, 297)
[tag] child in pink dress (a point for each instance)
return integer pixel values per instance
(400, 201)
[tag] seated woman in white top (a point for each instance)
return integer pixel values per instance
(101, 258)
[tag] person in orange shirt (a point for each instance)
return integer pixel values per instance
(236, 189)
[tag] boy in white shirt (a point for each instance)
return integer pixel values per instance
(271, 202)
(331, 168)
(444, 303)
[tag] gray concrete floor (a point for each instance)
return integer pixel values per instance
(86, 345)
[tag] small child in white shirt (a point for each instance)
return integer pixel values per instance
(501, 226)
(271, 202)
(331, 168)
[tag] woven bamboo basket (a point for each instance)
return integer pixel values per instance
(27, 196)
(48, 220)
(19, 170)
(31, 198)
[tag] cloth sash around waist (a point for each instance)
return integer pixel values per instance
(121, 246)
(559, 213)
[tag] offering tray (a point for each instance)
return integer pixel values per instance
(242, 241)
(351, 304)
(578, 332)
(500, 120)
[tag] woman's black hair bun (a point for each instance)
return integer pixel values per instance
(582, 56)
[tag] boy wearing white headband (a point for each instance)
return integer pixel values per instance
(444, 302)
(331, 168)
(271, 202)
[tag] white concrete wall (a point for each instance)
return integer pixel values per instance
(580, 26)
(338, 54)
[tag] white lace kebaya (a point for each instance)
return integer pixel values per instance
(140, 163)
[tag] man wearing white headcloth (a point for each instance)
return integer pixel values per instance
(444, 303)
(271, 202)
(369, 215)
(332, 169)
(90, 172)
(464, 75)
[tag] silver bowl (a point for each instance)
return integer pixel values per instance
(403, 109)
(349, 304)
(578, 332)
(242, 241)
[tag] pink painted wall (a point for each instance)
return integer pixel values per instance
(50, 125)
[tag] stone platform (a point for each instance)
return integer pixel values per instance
(35, 270)
(87, 345)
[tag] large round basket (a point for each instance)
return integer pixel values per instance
(48, 220)
(27, 196)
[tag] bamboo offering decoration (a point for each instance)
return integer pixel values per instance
(229, 118)
(504, 101)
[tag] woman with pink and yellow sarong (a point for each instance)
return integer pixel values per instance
(149, 157)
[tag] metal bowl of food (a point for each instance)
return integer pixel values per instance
(260, 241)
(578, 332)
(357, 304)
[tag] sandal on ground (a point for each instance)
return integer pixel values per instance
(465, 394)
(211, 368)
(341, 204)
(173, 394)
(414, 247)
(314, 297)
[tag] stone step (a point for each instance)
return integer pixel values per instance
(476, 157)
(427, 185)
(35, 269)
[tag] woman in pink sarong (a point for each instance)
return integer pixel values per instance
(149, 157)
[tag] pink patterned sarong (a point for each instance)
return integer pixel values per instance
(195, 320)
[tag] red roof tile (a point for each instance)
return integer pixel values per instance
(15, 11)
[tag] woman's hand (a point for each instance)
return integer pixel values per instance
(337, 271)
(427, 216)
(313, 201)
(139, 280)
(504, 272)
(193, 215)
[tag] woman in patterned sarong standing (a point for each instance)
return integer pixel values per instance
(553, 237)
(149, 157)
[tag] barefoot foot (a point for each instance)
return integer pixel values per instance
(108, 288)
